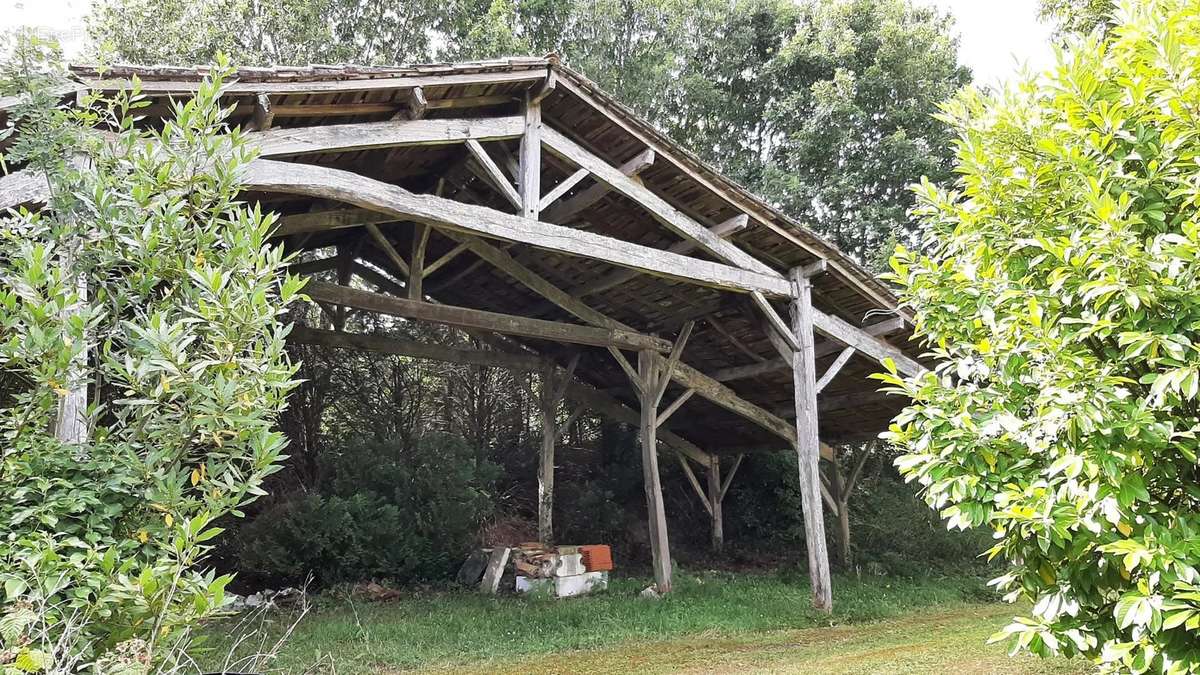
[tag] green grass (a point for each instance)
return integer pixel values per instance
(758, 618)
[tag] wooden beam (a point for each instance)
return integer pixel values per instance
(441, 262)
(864, 342)
(672, 361)
(807, 443)
(776, 322)
(495, 570)
(732, 472)
(537, 94)
(530, 161)
(675, 405)
(691, 477)
(291, 141)
(313, 266)
(824, 349)
(449, 79)
(416, 271)
(390, 251)
(649, 373)
(684, 375)
(264, 114)
(733, 339)
(549, 410)
(716, 516)
(26, 187)
(493, 172)
(681, 247)
(562, 188)
(833, 369)
(564, 210)
(417, 103)
(668, 215)
(323, 182)
(475, 319)
(524, 362)
(328, 219)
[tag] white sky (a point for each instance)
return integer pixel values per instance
(997, 36)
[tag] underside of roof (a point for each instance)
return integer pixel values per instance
(732, 341)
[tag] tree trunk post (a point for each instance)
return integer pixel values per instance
(714, 500)
(656, 512)
(837, 490)
(549, 409)
(807, 441)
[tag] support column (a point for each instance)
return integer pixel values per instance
(530, 180)
(549, 409)
(715, 497)
(647, 395)
(807, 443)
(837, 490)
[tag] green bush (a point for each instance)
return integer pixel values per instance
(1062, 302)
(381, 511)
(146, 283)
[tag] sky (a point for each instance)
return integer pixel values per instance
(996, 36)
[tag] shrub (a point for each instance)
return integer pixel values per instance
(1061, 302)
(381, 511)
(145, 281)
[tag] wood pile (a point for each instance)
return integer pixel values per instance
(562, 571)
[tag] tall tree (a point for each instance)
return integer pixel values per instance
(1077, 16)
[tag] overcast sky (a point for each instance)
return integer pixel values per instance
(997, 36)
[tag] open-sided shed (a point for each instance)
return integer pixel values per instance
(514, 199)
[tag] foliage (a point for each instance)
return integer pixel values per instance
(382, 511)
(1061, 304)
(1077, 16)
(148, 285)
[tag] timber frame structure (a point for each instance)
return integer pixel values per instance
(515, 200)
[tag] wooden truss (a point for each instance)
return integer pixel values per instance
(703, 256)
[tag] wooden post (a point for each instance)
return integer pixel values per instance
(530, 180)
(71, 425)
(808, 445)
(649, 378)
(837, 490)
(714, 500)
(549, 407)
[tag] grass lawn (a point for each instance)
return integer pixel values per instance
(711, 623)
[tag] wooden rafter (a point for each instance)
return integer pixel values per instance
(563, 211)
(289, 141)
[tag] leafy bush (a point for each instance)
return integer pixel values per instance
(1062, 305)
(145, 281)
(382, 511)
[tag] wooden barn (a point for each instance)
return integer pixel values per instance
(515, 200)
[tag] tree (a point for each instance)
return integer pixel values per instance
(145, 287)
(1061, 305)
(1077, 16)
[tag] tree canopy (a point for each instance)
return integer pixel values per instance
(1061, 303)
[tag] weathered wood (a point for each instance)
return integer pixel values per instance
(666, 214)
(614, 409)
(864, 342)
(327, 219)
(776, 322)
(161, 87)
(417, 103)
(530, 162)
(736, 198)
(668, 370)
(733, 339)
(838, 492)
(541, 91)
(564, 210)
(562, 188)
(323, 182)
(715, 496)
(684, 375)
(390, 251)
(634, 379)
(291, 141)
(495, 570)
(824, 349)
(313, 266)
(549, 410)
(675, 405)
(691, 478)
(475, 319)
(493, 172)
(264, 114)
(833, 369)
(26, 187)
(807, 442)
(416, 272)
(660, 548)
(737, 463)
(566, 424)
(441, 262)
(681, 247)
